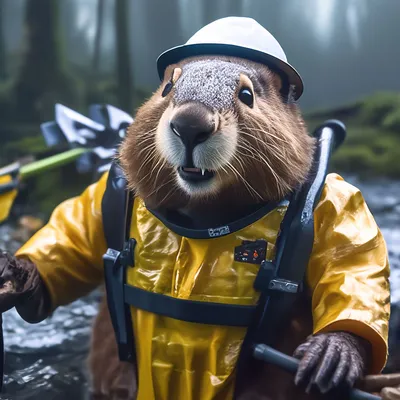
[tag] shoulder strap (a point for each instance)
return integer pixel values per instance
(279, 281)
(296, 240)
(116, 207)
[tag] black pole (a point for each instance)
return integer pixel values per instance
(269, 355)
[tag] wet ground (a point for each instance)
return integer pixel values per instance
(47, 360)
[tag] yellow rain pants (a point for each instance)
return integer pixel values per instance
(347, 274)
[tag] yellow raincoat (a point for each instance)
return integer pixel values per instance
(347, 274)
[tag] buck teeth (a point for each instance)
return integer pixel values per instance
(203, 171)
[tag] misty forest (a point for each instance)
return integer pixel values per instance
(81, 52)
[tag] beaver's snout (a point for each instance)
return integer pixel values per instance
(193, 124)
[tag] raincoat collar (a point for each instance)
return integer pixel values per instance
(216, 231)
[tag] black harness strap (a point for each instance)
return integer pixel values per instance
(117, 205)
(201, 312)
(294, 246)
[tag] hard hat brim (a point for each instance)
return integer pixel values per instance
(178, 53)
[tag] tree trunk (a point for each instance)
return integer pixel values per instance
(42, 80)
(98, 37)
(124, 76)
(3, 63)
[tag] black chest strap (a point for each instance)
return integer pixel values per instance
(201, 312)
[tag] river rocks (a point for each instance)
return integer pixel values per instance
(7, 241)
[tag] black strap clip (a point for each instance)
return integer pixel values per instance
(267, 280)
(127, 255)
(115, 264)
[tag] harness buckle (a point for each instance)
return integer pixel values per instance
(115, 263)
(111, 259)
(267, 280)
(284, 285)
(265, 274)
(127, 255)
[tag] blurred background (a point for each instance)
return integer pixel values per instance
(79, 52)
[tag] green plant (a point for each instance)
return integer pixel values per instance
(376, 107)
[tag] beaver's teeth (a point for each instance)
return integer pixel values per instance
(203, 171)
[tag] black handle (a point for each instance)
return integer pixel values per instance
(290, 364)
(338, 129)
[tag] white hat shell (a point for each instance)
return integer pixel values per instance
(239, 37)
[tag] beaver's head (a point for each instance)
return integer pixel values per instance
(217, 130)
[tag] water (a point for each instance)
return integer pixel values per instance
(47, 360)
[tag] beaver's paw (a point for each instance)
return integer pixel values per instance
(331, 361)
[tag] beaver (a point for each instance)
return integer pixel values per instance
(211, 158)
(255, 148)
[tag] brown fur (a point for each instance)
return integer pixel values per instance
(272, 133)
(110, 378)
(274, 156)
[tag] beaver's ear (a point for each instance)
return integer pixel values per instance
(282, 86)
(268, 78)
(168, 73)
(276, 81)
(172, 73)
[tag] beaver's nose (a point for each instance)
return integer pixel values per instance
(193, 124)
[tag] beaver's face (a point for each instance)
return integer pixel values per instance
(216, 128)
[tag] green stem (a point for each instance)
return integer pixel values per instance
(48, 163)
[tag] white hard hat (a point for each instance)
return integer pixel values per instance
(239, 37)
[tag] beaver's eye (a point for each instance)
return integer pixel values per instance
(167, 89)
(246, 97)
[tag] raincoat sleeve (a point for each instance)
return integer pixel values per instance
(348, 271)
(68, 250)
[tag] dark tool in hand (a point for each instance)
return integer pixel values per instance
(92, 143)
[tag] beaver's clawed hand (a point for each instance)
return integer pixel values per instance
(21, 287)
(15, 281)
(331, 361)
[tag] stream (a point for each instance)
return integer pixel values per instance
(47, 360)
